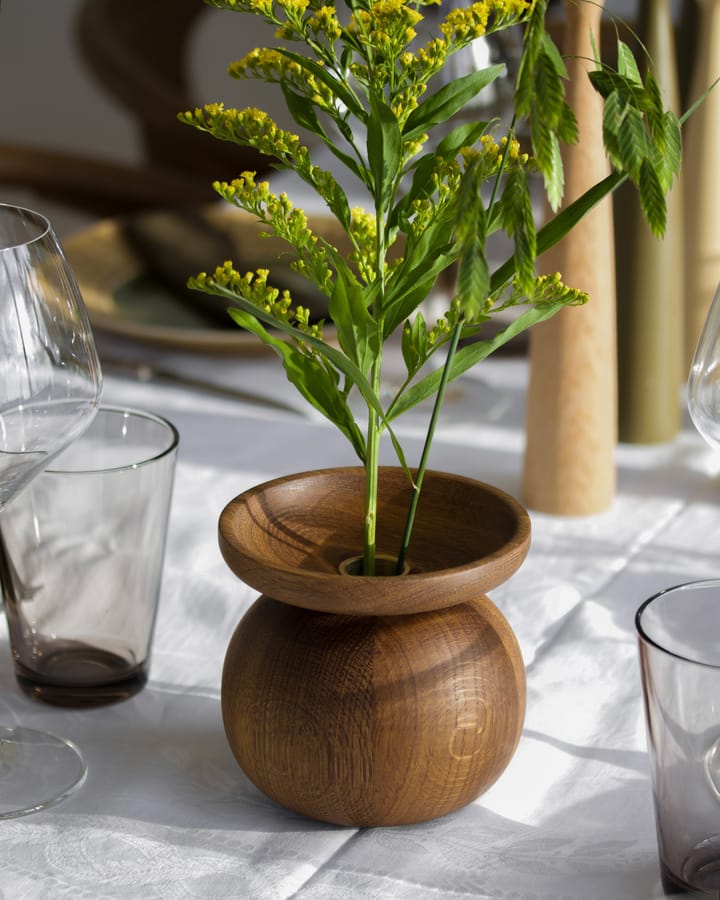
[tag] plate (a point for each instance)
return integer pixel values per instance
(131, 272)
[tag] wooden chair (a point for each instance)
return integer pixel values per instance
(137, 52)
(98, 187)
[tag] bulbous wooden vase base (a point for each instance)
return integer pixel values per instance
(367, 720)
(380, 700)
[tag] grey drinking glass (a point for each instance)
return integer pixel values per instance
(81, 559)
(50, 386)
(679, 639)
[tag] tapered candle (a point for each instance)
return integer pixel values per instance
(571, 425)
(650, 277)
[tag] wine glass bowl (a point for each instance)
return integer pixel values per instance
(50, 387)
(50, 379)
(704, 379)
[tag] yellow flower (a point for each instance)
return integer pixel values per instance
(325, 21)
(464, 25)
(294, 7)
(261, 7)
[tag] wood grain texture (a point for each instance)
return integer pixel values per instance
(373, 720)
(373, 701)
(571, 424)
(287, 538)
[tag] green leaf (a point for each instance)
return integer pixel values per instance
(542, 137)
(302, 109)
(549, 90)
(338, 88)
(339, 263)
(652, 198)
(656, 109)
(469, 208)
(334, 356)
(420, 187)
(605, 81)
(470, 355)
(556, 229)
(626, 63)
(415, 344)
(450, 99)
(672, 157)
(534, 39)
(357, 331)
(552, 171)
(310, 378)
(412, 293)
(471, 228)
(553, 55)
(384, 146)
(473, 278)
(464, 135)
(424, 260)
(338, 204)
(567, 127)
(550, 117)
(517, 215)
(632, 143)
(303, 112)
(614, 112)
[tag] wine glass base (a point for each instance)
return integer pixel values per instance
(37, 770)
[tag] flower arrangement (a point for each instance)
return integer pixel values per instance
(365, 86)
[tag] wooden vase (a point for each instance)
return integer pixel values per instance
(571, 426)
(383, 700)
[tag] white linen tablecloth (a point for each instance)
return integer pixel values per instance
(167, 813)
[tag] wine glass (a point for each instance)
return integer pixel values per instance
(50, 385)
(704, 379)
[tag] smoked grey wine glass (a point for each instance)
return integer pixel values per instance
(50, 386)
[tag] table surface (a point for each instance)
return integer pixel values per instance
(166, 812)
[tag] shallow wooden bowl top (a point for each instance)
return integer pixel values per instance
(288, 537)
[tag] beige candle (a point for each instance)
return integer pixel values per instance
(571, 404)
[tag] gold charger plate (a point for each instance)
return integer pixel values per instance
(125, 297)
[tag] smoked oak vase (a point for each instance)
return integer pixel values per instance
(373, 701)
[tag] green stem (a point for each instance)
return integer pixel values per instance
(374, 424)
(371, 476)
(503, 165)
(417, 486)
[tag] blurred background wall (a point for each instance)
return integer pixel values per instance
(50, 99)
(47, 97)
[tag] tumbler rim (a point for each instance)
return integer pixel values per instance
(129, 411)
(645, 637)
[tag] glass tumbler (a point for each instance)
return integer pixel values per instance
(81, 557)
(679, 639)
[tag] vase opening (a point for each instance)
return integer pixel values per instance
(384, 565)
